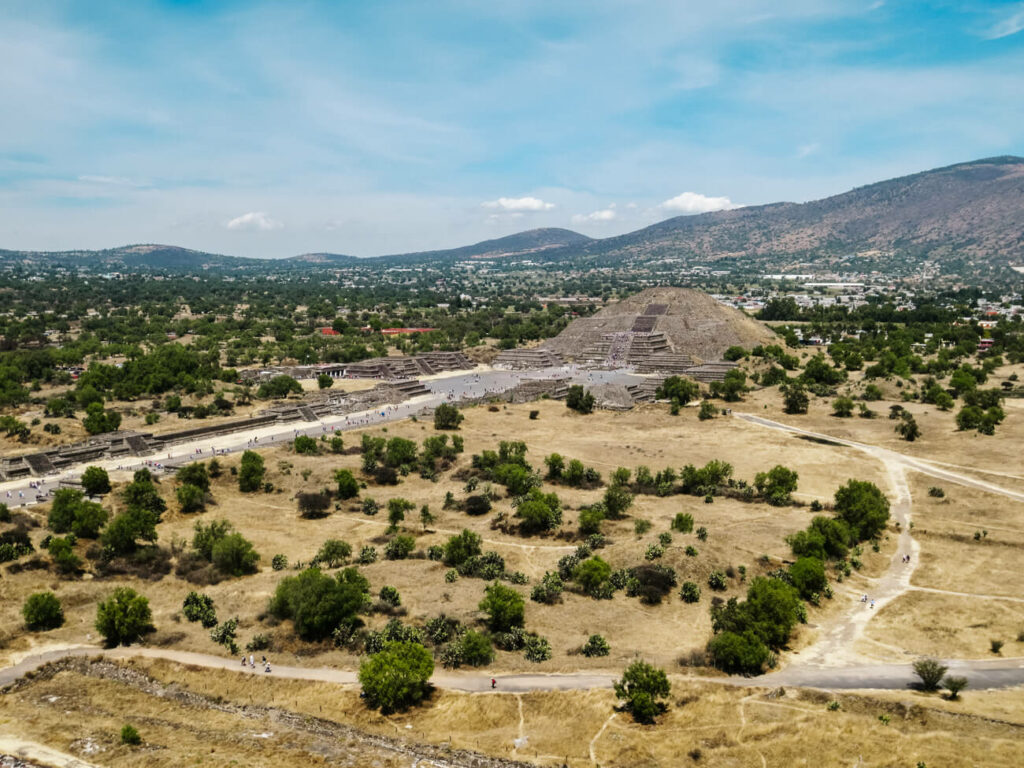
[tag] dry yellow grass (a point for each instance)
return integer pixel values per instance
(722, 725)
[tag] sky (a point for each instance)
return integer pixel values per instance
(375, 127)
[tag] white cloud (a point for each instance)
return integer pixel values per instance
(510, 204)
(805, 150)
(255, 220)
(694, 202)
(605, 214)
(1010, 25)
(119, 181)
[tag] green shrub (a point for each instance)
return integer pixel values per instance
(643, 690)
(504, 607)
(690, 592)
(682, 522)
(42, 611)
(595, 646)
(397, 676)
(536, 649)
(130, 736)
(124, 617)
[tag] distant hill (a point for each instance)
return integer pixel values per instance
(533, 241)
(969, 218)
(967, 211)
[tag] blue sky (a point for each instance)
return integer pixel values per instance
(379, 127)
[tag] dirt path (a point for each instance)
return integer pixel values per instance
(33, 752)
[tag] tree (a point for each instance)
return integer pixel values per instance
(596, 645)
(123, 532)
(690, 592)
(124, 617)
(90, 517)
(931, 673)
(476, 648)
(954, 685)
(808, 575)
(616, 501)
(323, 381)
(682, 522)
(776, 485)
(863, 507)
(738, 653)
(98, 421)
(194, 474)
(459, 548)
(141, 493)
(399, 547)
(62, 511)
(316, 603)
(397, 676)
(396, 512)
(643, 690)
(842, 407)
(707, 410)
(590, 520)
(278, 387)
(731, 387)
(540, 512)
(579, 400)
(678, 390)
(333, 553)
(130, 735)
(348, 486)
(250, 473)
(907, 427)
(233, 554)
(426, 517)
(306, 445)
(504, 607)
(191, 498)
(63, 555)
(591, 574)
(313, 505)
(96, 481)
(556, 465)
(447, 417)
(42, 611)
(794, 398)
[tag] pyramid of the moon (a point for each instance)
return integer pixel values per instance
(665, 329)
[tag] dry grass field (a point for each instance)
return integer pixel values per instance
(738, 534)
(190, 717)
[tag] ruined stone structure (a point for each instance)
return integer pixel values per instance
(389, 368)
(528, 359)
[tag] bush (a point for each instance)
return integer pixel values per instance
(504, 607)
(776, 485)
(591, 574)
(124, 617)
(397, 676)
(863, 507)
(643, 690)
(996, 645)
(595, 646)
(717, 581)
(130, 736)
(279, 562)
(233, 555)
(477, 505)
(42, 611)
(304, 444)
(549, 590)
(539, 512)
(682, 522)
(738, 653)
(390, 596)
(399, 547)
(459, 548)
(690, 592)
(475, 648)
(95, 481)
(590, 520)
(931, 673)
(808, 576)
(707, 410)
(198, 607)
(313, 505)
(333, 553)
(191, 498)
(954, 685)
(842, 407)
(536, 649)
(794, 398)
(936, 493)
(348, 486)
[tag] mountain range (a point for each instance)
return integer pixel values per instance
(961, 217)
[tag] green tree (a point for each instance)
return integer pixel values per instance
(123, 532)
(459, 548)
(313, 505)
(304, 444)
(124, 617)
(591, 574)
(678, 389)
(316, 603)
(447, 417)
(323, 381)
(96, 481)
(616, 501)
(954, 685)
(234, 555)
(397, 676)
(931, 673)
(90, 517)
(130, 735)
(334, 553)
(590, 520)
(62, 511)
(251, 472)
(842, 407)
(579, 400)
(504, 607)
(540, 512)
(556, 465)
(348, 486)
(907, 427)
(194, 474)
(707, 410)
(63, 555)
(737, 653)
(643, 690)
(863, 507)
(808, 575)
(42, 611)
(476, 648)
(396, 512)
(191, 498)
(776, 485)
(731, 387)
(794, 398)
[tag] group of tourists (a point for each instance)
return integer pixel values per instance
(252, 663)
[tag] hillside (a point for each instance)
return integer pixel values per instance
(968, 211)
(170, 257)
(533, 241)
